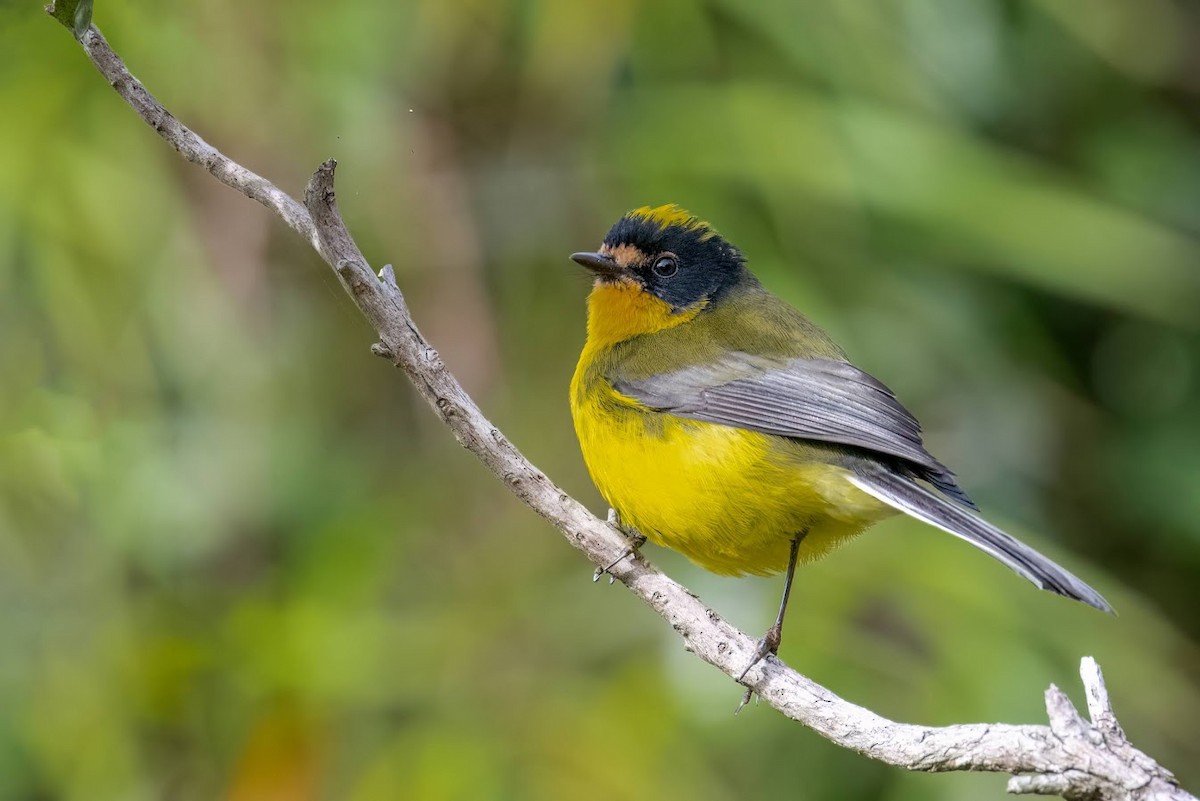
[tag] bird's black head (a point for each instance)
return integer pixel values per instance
(670, 254)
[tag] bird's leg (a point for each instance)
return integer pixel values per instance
(769, 643)
(636, 540)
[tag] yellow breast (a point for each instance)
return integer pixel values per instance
(729, 499)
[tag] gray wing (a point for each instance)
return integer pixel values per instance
(814, 399)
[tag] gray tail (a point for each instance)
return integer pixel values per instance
(909, 497)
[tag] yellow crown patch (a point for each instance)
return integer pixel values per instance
(670, 215)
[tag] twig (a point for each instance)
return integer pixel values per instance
(1071, 757)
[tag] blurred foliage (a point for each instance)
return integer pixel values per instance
(239, 559)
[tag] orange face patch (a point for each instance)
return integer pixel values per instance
(626, 256)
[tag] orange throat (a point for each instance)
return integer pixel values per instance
(620, 310)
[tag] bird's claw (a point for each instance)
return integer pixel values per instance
(746, 696)
(768, 645)
(636, 540)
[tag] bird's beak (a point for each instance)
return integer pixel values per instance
(597, 263)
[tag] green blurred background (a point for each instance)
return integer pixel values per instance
(238, 557)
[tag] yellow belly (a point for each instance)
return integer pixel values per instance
(730, 500)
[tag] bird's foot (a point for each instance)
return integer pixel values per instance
(768, 645)
(636, 540)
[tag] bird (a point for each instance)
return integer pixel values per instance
(719, 421)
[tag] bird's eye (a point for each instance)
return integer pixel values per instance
(665, 267)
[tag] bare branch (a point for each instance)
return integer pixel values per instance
(1071, 757)
(1099, 707)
